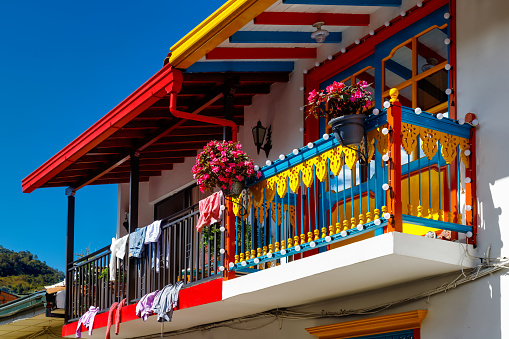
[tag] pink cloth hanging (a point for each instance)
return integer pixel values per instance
(210, 210)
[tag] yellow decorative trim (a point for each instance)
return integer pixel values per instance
(370, 326)
(409, 135)
(219, 26)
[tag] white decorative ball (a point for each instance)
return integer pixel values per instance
(328, 239)
(281, 157)
(329, 57)
(385, 186)
(305, 71)
(231, 264)
(257, 168)
(343, 50)
(360, 227)
(387, 24)
(447, 41)
(419, 4)
(448, 91)
(344, 233)
(403, 13)
(468, 207)
(357, 41)
(268, 162)
(325, 136)
(468, 180)
(295, 151)
(301, 88)
(269, 255)
(447, 16)
(222, 229)
(310, 145)
(243, 263)
(448, 67)
(387, 104)
(256, 260)
(386, 157)
(371, 32)
(385, 131)
(312, 244)
(222, 251)
(418, 110)
(221, 268)
(461, 121)
(297, 248)
(387, 216)
(376, 111)
(469, 234)
(475, 122)
(440, 116)
(283, 252)
(467, 152)
(377, 222)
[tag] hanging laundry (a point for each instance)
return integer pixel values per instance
(210, 210)
(87, 320)
(114, 307)
(144, 306)
(137, 242)
(153, 232)
(152, 237)
(117, 249)
(166, 301)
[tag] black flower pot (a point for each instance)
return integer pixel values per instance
(235, 189)
(348, 129)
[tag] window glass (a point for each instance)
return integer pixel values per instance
(431, 90)
(431, 50)
(398, 68)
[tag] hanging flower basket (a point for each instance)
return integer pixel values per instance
(348, 129)
(343, 105)
(223, 164)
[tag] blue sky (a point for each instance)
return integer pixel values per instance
(63, 65)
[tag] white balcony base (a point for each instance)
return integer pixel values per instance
(385, 260)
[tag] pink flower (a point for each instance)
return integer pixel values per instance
(240, 178)
(313, 95)
(258, 174)
(215, 169)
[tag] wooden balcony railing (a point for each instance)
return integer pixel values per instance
(413, 175)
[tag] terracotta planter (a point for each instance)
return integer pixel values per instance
(348, 129)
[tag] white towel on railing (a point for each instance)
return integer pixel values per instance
(152, 236)
(118, 248)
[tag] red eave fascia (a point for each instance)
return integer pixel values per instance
(147, 94)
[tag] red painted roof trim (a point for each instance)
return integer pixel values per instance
(207, 292)
(226, 53)
(300, 18)
(147, 94)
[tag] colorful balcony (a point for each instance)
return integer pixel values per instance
(416, 179)
(322, 216)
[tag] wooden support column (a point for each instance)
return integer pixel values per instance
(395, 204)
(134, 189)
(69, 254)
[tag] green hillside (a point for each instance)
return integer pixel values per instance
(22, 272)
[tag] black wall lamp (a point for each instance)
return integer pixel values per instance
(259, 136)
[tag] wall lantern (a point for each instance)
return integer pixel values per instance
(259, 136)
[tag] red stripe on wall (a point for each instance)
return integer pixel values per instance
(207, 292)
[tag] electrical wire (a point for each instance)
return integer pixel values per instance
(487, 267)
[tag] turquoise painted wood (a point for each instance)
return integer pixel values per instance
(441, 225)
(241, 66)
(279, 37)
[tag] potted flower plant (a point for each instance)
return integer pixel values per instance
(223, 164)
(342, 105)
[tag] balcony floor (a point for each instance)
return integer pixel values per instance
(374, 263)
